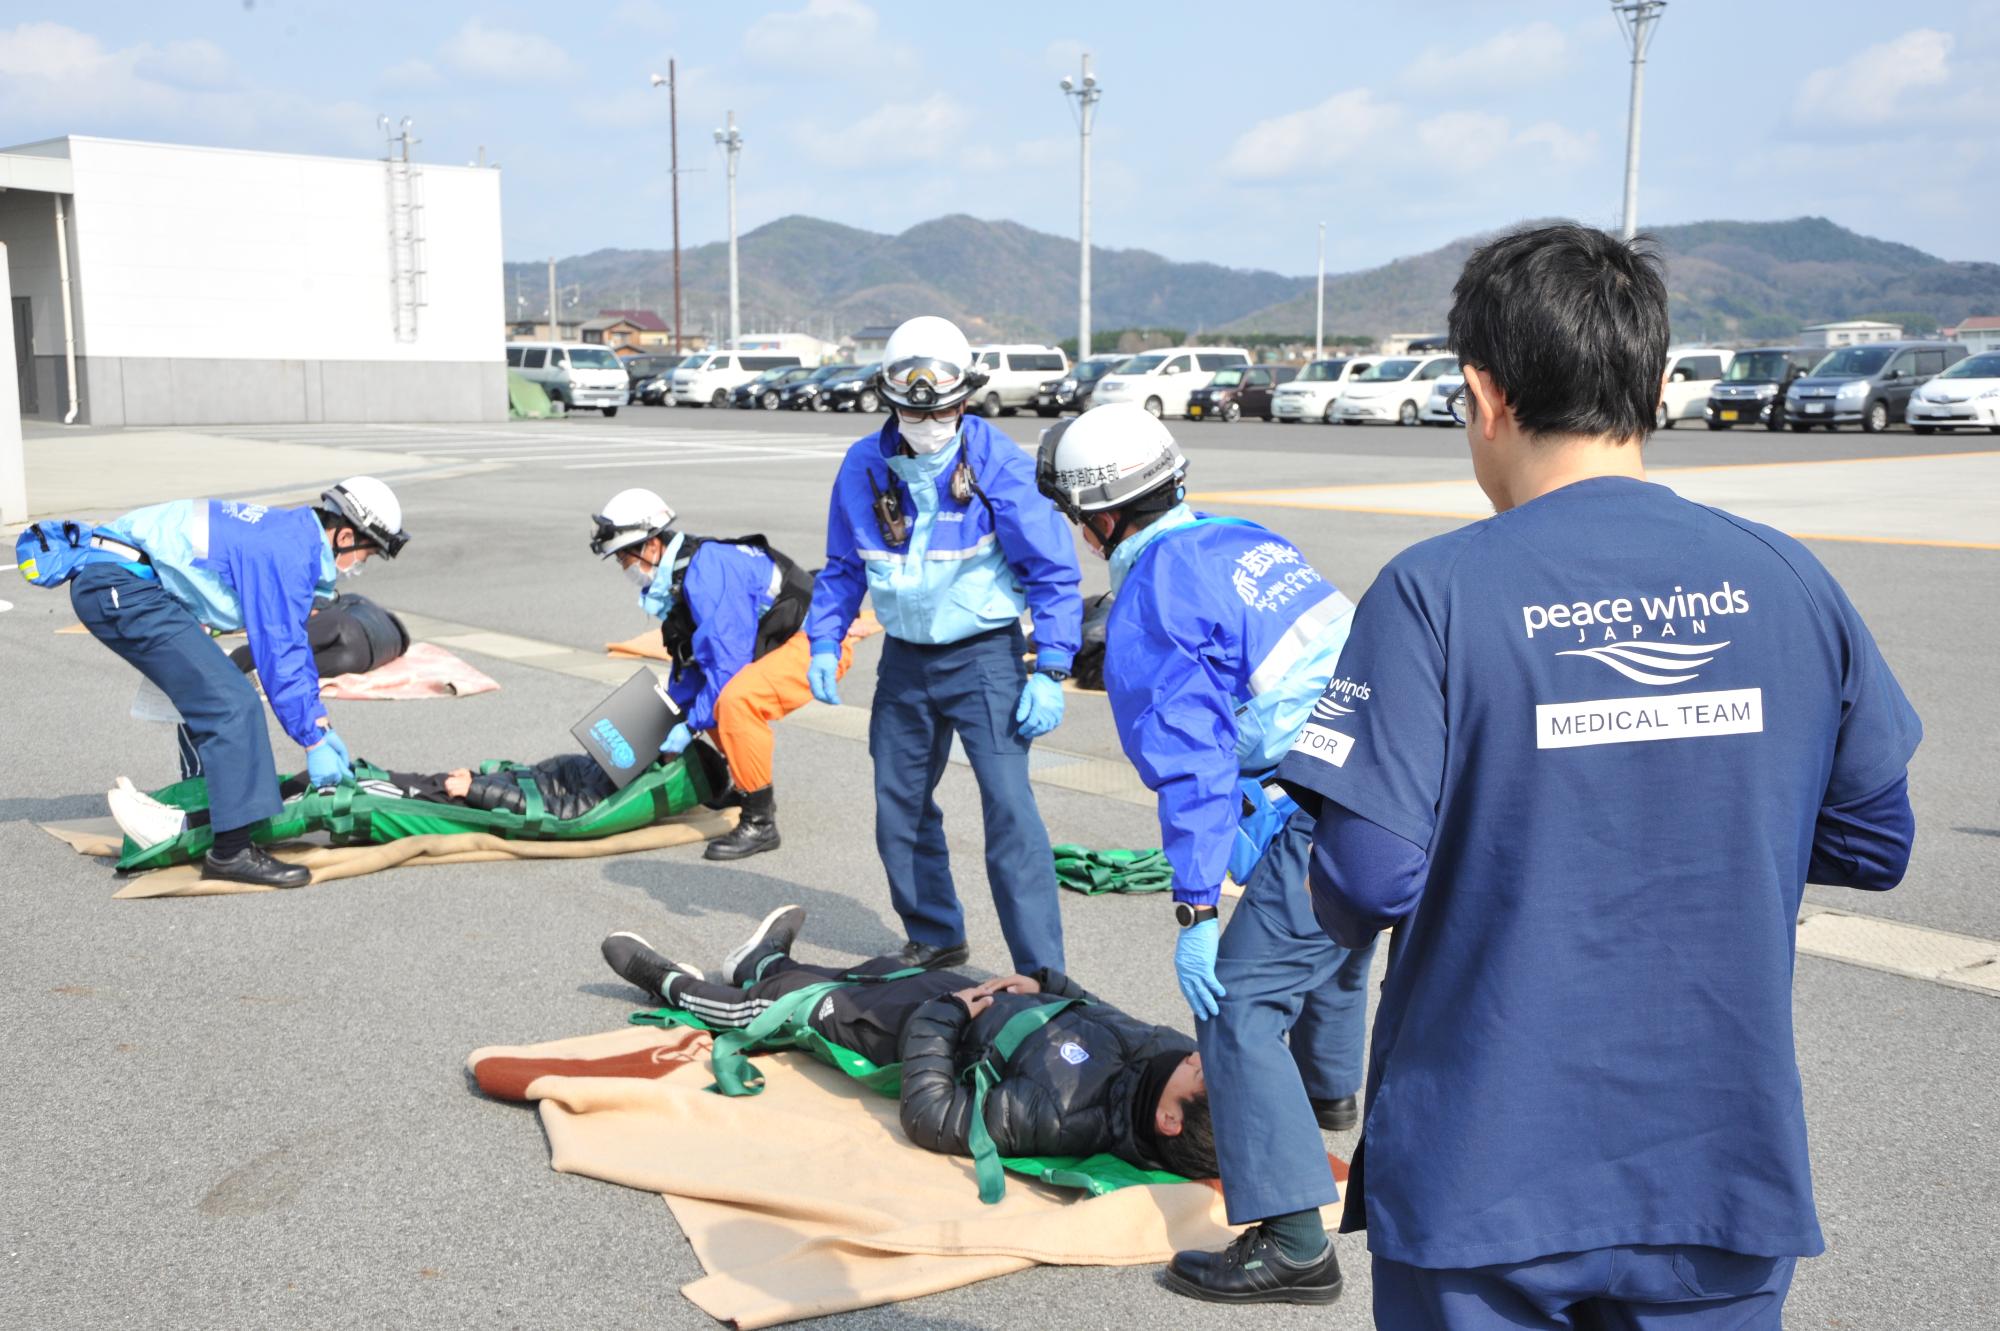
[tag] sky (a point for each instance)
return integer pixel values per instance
(1221, 136)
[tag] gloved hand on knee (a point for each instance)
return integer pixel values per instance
(1194, 963)
(824, 677)
(1041, 708)
(327, 764)
(677, 740)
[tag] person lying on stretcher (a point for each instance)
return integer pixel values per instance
(1090, 1081)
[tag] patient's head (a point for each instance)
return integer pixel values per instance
(1181, 1122)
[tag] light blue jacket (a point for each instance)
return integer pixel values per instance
(967, 567)
(245, 566)
(1220, 642)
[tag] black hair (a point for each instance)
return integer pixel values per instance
(1191, 1153)
(1571, 323)
(331, 521)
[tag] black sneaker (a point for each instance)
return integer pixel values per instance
(926, 957)
(775, 935)
(636, 963)
(1337, 1115)
(1252, 1270)
(253, 865)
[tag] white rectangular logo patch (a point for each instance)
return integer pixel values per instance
(1571, 725)
(1326, 745)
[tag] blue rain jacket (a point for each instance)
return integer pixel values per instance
(1220, 643)
(727, 589)
(967, 567)
(245, 566)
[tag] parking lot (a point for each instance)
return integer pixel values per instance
(250, 1111)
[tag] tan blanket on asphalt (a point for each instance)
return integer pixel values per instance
(808, 1200)
(101, 837)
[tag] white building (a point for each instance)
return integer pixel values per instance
(809, 349)
(210, 285)
(1848, 333)
(1979, 333)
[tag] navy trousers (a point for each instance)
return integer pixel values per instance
(923, 696)
(1634, 1288)
(1292, 1029)
(221, 712)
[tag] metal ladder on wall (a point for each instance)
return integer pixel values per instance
(406, 234)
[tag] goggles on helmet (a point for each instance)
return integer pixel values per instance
(925, 383)
(366, 525)
(610, 537)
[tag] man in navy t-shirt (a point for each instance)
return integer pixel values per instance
(1584, 756)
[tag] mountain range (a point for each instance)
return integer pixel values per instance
(1728, 281)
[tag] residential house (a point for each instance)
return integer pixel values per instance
(1849, 333)
(1979, 333)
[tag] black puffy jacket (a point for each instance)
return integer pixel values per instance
(571, 785)
(1068, 1090)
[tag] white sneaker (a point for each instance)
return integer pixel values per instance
(141, 817)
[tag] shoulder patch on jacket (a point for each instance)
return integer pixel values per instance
(1073, 1053)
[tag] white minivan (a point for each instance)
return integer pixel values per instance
(575, 375)
(1160, 381)
(1392, 389)
(706, 379)
(1014, 375)
(1691, 372)
(1311, 396)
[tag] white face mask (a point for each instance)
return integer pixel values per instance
(639, 574)
(352, 570)
(927, 436)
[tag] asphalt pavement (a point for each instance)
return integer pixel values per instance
(251, 1111)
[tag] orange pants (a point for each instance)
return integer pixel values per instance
(763, 691)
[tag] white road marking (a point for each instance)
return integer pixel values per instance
(5, 606)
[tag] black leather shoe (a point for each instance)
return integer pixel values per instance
(1337, 1115)
(756, 830)
(1252, 1270)
(253, 865)
(930, 958)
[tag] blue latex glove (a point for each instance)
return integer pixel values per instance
(677, 739)
(1041, 708)
(332, 737)
(325, 766)
(1194, 962)
(824, 677)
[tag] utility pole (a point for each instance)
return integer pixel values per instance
(1086, 92)
(732, 143)
(1319, 316)
(674, 140)
(1639, 19)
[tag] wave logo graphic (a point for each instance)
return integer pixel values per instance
(1326, 709)
(616, 745)
(1640, 662)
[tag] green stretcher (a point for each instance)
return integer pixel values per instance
(351, 816)
(1095, 872)
(785, 1025)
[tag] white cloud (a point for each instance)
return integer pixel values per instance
(823, 35)
(1564, 145)
(895, 135)
(1462, 135)
(1518, 57)
(1313, 139)
(412, 73)
(196, 64)
(1869, 89)
(500, 53)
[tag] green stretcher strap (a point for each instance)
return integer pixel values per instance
(533, 812)
(1095, 872)
(985, 1075)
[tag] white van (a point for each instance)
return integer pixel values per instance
(706, 379)
(1394, 388)
(1691, 372)
(1310, 397)
(1014, 374)
(577, 375)
(1160, 381)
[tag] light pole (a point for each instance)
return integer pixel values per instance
(732, 142)
(1086, 92)
(1639, 19)
(674, 170)
(1319, 314)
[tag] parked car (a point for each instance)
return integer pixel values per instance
(1752, 389)
(1238, 391)
(1311, 396)
(575, 375)
(708, 378)
(855, 391)
(768, 388)
(1395, 389)
(1014, 375)
(1160, 381)
(641, 368)
(1691, 372)
(1866, 385)
(806, 393)
(1437, 407)
(657, 391)
(1073, 391)
(1964, 397)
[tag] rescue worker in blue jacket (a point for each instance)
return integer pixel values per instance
(1220, 643)
(935, 517)
(158, 579)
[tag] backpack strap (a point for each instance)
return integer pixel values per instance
(985, 1075)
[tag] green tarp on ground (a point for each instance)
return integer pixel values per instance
(1093, 872)
(525, 399)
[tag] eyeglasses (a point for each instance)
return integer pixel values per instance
(946, 414)
(1460, 405)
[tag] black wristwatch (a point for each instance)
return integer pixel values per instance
(1053, 673)
(1189, 916)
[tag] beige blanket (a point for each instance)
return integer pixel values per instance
(425, 671)
(807, 1199)
(100, 837)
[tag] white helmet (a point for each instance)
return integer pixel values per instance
(927, 365)
(372, 509)
(1106, 458)
(630, 518)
